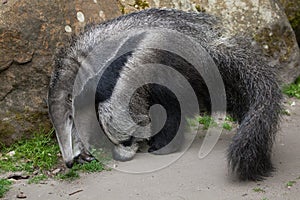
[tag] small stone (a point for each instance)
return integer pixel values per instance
(101, 14)
(21, 195)
(80, 16)
(68, 29)
(287, 112)
(293, 103)
(56, 171)
(265, 46)
(6, 119)
(35, 172)
(12, 180)
(11, 153)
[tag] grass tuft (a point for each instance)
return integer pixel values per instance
(290, 183)
(68, 176)
(72, 174)
(259, 190)
(37, 179)
(4, 186)
(227, 126)
(93, 166)
(293, 90)
(208, 121)
(38, 153)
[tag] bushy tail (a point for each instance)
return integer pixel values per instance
(249, 154)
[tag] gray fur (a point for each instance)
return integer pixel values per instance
(253, 95)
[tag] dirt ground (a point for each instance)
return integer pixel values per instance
(188, 178)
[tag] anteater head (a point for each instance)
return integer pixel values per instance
(60, 105)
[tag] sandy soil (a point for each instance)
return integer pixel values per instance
(188, 178)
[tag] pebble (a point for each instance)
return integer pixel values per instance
(68, 29)
(101, 14)
(287, 112)
(21, 195)
(36, 172)
(11, 153)
(80, 16)
(265, 46)
(56, 171)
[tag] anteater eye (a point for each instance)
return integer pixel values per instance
(69, 98)
(70, 117)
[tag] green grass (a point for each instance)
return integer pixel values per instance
(259, 190)
(38, 153)
(37, 179)
(4, 186)
(293, 90)
(227, 126)
(290, 183)
(207, 121)
(73, 173)
(230, 119)
(90, 167)
(69, 175)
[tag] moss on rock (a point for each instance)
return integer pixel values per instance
(18, 125)
(275, 41)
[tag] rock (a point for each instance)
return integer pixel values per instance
(17, 176)
(56, 171)
(292, 10)
(36, 172)
(30, 33)
(265, 21)
(11, 153)
(21, 195)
